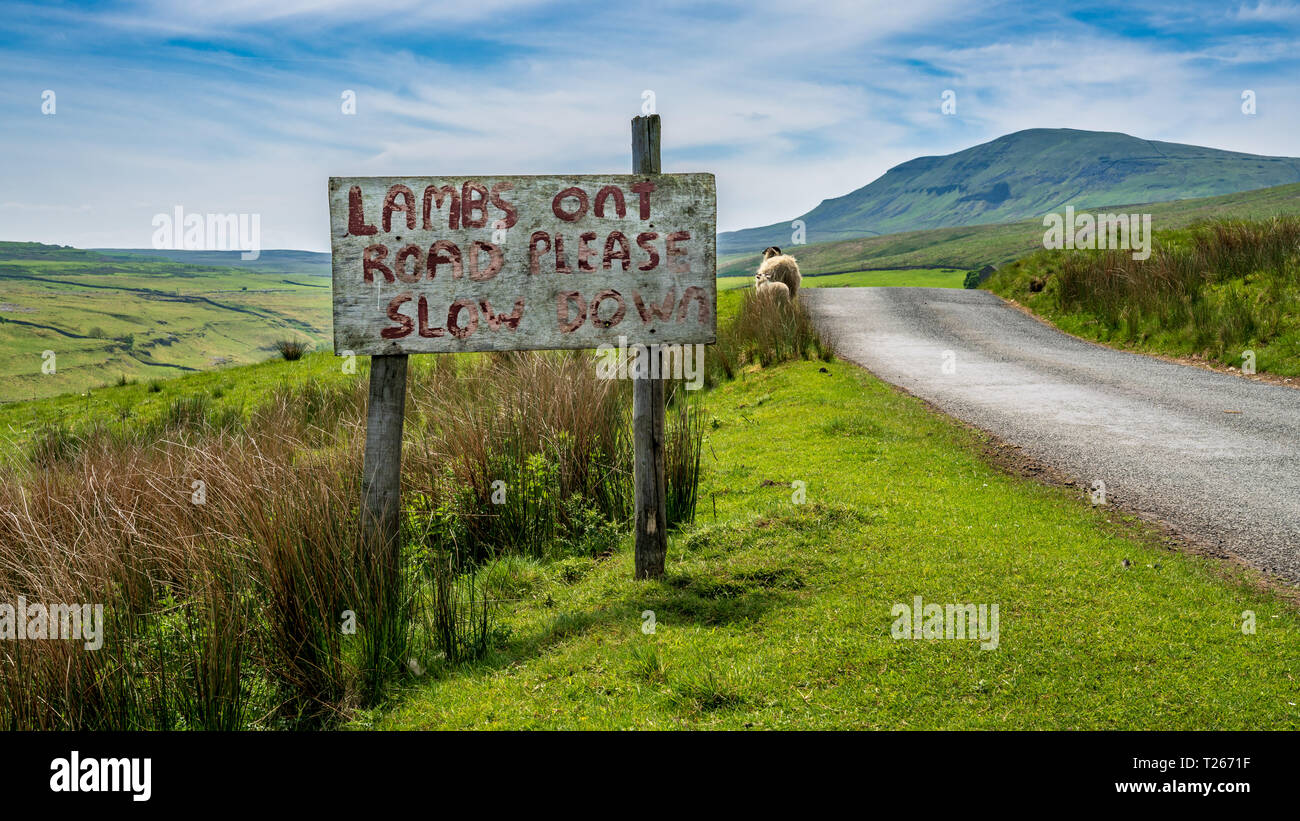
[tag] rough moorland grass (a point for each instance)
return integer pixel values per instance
(758, 331)
(1215, 290)
(777, 615)
(226, 549)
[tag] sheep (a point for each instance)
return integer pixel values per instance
(781, 268)
(765, 288)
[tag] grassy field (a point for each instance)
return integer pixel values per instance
(911, 277)
(235, 390)
(778, 615)
(1213, 291)
(975, 246)
(107, 320)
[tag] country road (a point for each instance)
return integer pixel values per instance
(1214, 455)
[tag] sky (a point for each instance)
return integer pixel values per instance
(238, 107)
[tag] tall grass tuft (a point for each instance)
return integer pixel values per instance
(1216, 288)
(292, 349)
(765, 331)
(684, 437)
(507, 440)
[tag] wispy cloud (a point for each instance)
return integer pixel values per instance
(237, 106)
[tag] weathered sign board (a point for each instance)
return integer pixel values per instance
(451, 264)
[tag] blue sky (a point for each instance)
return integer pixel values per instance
(236, 106)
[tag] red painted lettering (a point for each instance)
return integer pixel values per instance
(568, 320)
(644, 189)
(404, 323)
(616, 318)
(558, 208)
(444, 252)
(662, 312)
(372, 259)
(677, 262)
(643, 242)
(614, 191)
(512, 216)
(390, 205)
(453, 323)
(433, 197)
(417, 270)
(535, 253)
(624, 253)
(357, 225)
(496, 259)
(584, 251)
(473, 199)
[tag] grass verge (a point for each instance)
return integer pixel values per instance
(1226, 291)
(778, 615)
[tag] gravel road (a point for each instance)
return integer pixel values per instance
(1214, 455)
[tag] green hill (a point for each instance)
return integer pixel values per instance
(277, 261)
(108, 318)
(1022, 175)
(973, 246)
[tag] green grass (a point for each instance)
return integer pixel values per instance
(108, 319)
(1213, 291)
(234, 389)
(777, 615)
(915, 277)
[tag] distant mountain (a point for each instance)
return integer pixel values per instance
(1023, 175)
(312, 263)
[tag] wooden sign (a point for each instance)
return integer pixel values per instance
(451, 264)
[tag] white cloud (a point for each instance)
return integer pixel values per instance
(1268, 12)
(788, 105)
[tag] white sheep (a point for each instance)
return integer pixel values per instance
(767, 289)
(781, 269)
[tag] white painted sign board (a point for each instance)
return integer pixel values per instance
(451, 264)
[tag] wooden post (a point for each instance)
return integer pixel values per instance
(648, 409)
(381, 476)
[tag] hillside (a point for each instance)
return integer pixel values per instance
(973, 246)
(277, 261)
(1022, 175)
(131, 317)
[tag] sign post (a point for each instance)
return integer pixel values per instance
(648, 484)
(381, 473)
(498, 263)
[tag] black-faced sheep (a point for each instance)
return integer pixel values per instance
(781, 268)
